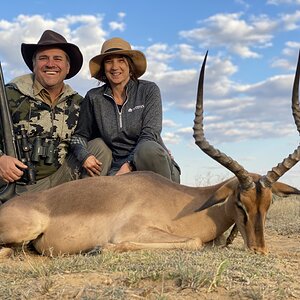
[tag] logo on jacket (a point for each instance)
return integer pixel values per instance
(136, 107)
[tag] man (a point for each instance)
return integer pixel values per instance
(47, 110)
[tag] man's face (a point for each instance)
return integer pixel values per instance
(51, 67)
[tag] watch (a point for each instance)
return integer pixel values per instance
(131, 165)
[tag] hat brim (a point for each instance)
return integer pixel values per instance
(138, 58)
(76, 58)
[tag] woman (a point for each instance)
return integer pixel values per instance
(124, 115)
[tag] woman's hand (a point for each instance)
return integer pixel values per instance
(93, 166)
(125, 168)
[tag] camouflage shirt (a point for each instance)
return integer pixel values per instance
(52, 123)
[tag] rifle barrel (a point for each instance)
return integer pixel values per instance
(8, 140)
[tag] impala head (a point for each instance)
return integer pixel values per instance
(249, 214)
(251, 194)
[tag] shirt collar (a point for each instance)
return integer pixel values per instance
(40, 92)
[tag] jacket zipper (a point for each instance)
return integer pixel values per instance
(120, 117)
(119, 112)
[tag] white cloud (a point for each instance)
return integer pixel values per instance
(159, 52)
(290, 21)
(122, 15)
(169, 123)
(233, 33)
(120, 26)
(278, 2)
(170, 138)
(188, 54)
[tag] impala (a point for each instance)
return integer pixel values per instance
(143, 210)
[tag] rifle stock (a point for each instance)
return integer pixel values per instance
(8, 140)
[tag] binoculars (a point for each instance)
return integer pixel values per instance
(32, 152)
(43, 149)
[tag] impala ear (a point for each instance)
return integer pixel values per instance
(220, 195)
(284, 190)
(211, 202)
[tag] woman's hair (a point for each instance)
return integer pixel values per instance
(102, 77)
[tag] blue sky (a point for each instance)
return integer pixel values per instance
(253, 49)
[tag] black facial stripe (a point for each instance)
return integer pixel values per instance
(240, 205)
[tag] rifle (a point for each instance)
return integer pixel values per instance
(9, 141)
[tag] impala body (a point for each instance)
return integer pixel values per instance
(141, 210)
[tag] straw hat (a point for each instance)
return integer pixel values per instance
(53, 39)
(118, 46)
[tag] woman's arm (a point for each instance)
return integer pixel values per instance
(84, 131)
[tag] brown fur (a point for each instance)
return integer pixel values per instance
(141, 210)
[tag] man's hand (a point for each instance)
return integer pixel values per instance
(93, 166)
(11, 168)
(126, 168)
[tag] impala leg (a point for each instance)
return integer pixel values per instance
(155, 239)
(233, 233)
(191, 244)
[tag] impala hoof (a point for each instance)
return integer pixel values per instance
(6, 253)
(95, 251)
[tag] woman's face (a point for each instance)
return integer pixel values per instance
(116, 69)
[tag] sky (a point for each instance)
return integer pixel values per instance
(252, 55)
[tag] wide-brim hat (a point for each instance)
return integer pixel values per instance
(118, 46)
(53, 39)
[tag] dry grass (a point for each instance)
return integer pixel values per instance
(212, 273)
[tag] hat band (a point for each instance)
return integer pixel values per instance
(113, 49)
